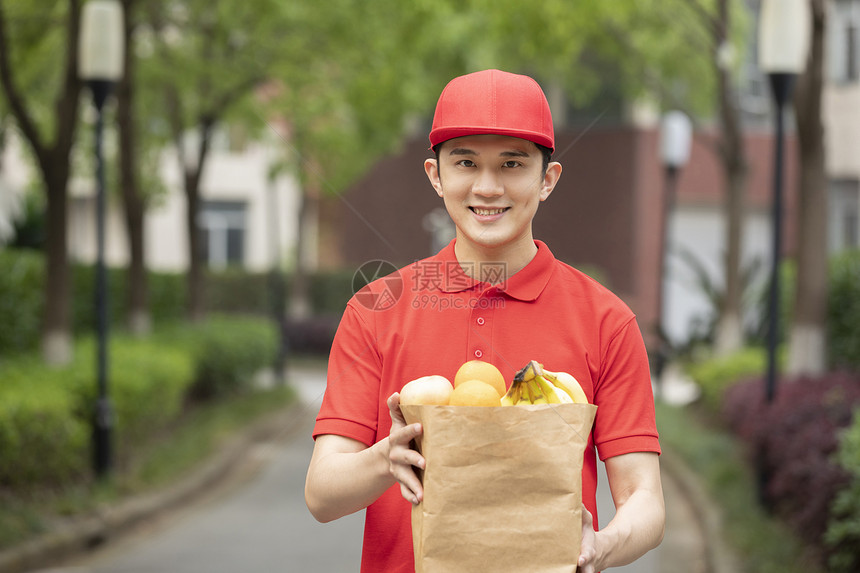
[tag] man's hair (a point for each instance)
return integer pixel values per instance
(545, 151)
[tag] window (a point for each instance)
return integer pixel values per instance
(843, 53)
(844, 214)
(222, 225)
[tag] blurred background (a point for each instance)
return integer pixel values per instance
(202, 223)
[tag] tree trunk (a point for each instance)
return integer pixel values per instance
(196, 278)
(807, 339)
(729, 335)
(137, 291)
(54, 164)
(56, 331)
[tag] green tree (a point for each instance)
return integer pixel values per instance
(38, 75)
(208, 60)
(353, 77)
(631, 48)
(704, 83)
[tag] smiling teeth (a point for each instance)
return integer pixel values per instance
(486, 212)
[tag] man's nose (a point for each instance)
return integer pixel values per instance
(488, 184)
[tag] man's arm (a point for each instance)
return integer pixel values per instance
(640, 514)
(346, 476)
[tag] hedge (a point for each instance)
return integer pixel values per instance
(21, 300)
(43, 439)
(231, 291)
(843, 319)
(843, 533)
(46, 412)
(716, 374)
(148, 381)
(227, 351)
(794, 441)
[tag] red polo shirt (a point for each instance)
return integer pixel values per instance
(430, 317)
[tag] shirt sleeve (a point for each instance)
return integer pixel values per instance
(350, 405)
(625, 420)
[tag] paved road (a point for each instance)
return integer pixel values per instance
(260, 523)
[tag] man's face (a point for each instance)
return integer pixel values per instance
(491, 185)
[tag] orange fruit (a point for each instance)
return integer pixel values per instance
(483, 371)
(474, 393)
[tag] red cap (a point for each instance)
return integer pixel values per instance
(493, 102)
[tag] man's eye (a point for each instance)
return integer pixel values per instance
(466, 162)
(512, 163)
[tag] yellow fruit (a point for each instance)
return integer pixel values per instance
(474, 393)
(569, 384)
(483, 371)
(433, 390)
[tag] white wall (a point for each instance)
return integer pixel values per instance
(14, 177)
(701, 231)
(227, 176)
(842, 129)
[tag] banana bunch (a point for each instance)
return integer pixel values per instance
(534, 385)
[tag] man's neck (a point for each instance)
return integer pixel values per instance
(494, 265)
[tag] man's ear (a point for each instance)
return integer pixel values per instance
(553, 174)
(431, 168)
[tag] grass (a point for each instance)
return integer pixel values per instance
(169, 457)
(763, 543)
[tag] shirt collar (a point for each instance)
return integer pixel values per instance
(525, 285)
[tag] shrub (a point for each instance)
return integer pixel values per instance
(22, 290)
(330, 291)
(46, 412)
(793, 441)
(238, 291)
(166, 297)
(843, 320)
(843, 532)
(715, 375)
(42, 440)
(227, 352)
(147, 384)
(21, 300)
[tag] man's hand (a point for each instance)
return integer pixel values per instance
(401, 457)
(640, 515)
(587, 551)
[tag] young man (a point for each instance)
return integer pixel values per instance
(495, 294)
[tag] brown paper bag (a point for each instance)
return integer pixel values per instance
(502, 487)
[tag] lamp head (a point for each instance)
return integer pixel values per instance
(676, 134)
(783, 36)
(100, 44)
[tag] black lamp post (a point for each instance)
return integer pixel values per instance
(676, 133)
(783, 45)
(100, 65)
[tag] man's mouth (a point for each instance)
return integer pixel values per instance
(488, 212)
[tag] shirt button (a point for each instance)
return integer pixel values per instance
(481, 320)
(478, 354)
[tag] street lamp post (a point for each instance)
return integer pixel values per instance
(783, 45)
(676, 133)
(100, 65)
